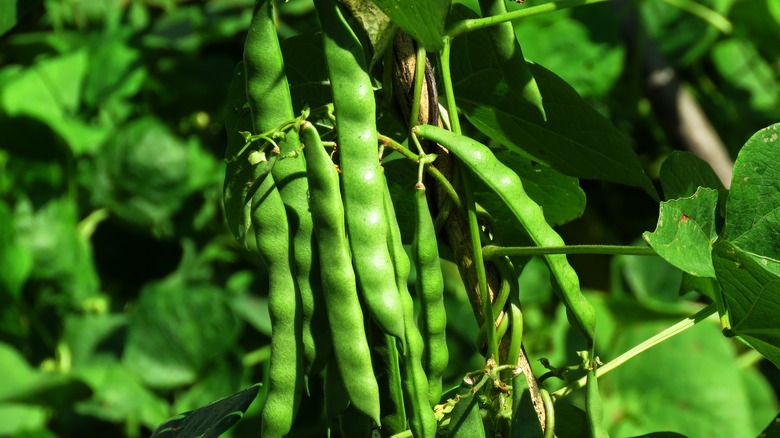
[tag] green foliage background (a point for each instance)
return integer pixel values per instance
(124, 300)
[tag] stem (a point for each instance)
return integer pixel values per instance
(419, 79)
(481, 23)
(432, 171)
(646, 345)
(449, 93)
(492, 252)
(471, 210)
(706, 14)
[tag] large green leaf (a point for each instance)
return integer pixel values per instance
(752, 297)
(176, 331)
(211, 420)
(422, 20)
(753, 208)
(689, 384)
(686, 232)
(575, 139)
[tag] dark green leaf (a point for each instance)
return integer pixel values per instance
(211, 420)
(423, 21)
(12, 10)
(575, 140)
(682, 173)
(686, 232)
(238, 171)
(752, 297)
(753, 208)
(306, 70)
(466, 421)
(772, 429)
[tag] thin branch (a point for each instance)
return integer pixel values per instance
(481, 23)
(492, 252)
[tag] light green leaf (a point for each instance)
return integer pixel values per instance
(753, 208)
(50, 91)
(653, 392)
(686, 232)
(752, 296)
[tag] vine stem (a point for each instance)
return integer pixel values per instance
(646, 345)
(492, 252)
(471, 210)
(473, 24)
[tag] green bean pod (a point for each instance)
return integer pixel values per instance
(421, 417)
(363, 182)
(269, 99)
(286, 365)
(506, 49)
(345, 316)
(267, 90)
(430, 292)
(593, 407)
(290, 175)
(507, 185)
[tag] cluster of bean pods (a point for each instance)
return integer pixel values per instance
(339, 299)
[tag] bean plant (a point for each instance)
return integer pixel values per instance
(417, 134)
(389, 218)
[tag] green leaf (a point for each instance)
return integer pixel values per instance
(12, 10)
(753, 208)
(238, 171)
(176, 331)
(575, 140)
(211, 420)
(686, 232)
(654, 391)
(50, 91)
(423, 21)
(119, 395)
(587, 55)
(772, 429)
(682, 37)
(17, 418)
(649, 279)
(22, 383)
(682, 173)
(740, 63)
(752, 296)
(466, 421)
(115, 70)
(377, 25)
(306, 70)
(143, 175)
